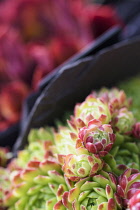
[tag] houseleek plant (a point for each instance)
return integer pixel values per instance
(90, 163)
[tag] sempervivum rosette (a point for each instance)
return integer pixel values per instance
(39, 186)
(116, 98)
(76, 161)
(40, 142)
(126, 152)
(129, 183)
(124, 121)
(91, 108)
(80, 165)
(97, 138)
(134, 202)
(124, 156)
(65, 141)
(41, 134)
(93, 193)
(34, 151)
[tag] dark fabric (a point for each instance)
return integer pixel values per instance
(76, 80)
(107, 39)
(127, 9)
(8, 137)
(132, 28)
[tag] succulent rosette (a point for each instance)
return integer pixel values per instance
(97, 138)
(116, 98)
(42, 134)
(128, 185)
(39, 147)
(35, 151)
(80, 165)
(124, 121)
(125, 158)
(65, 141)
(39, 186)
(91, 108)
(134, 202)
(93, 193)
(125, 152)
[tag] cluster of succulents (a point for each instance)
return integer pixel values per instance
(36, 36)
(91, 163)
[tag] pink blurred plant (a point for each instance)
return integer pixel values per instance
(12, 96)
(38, 35)
(13, 56)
